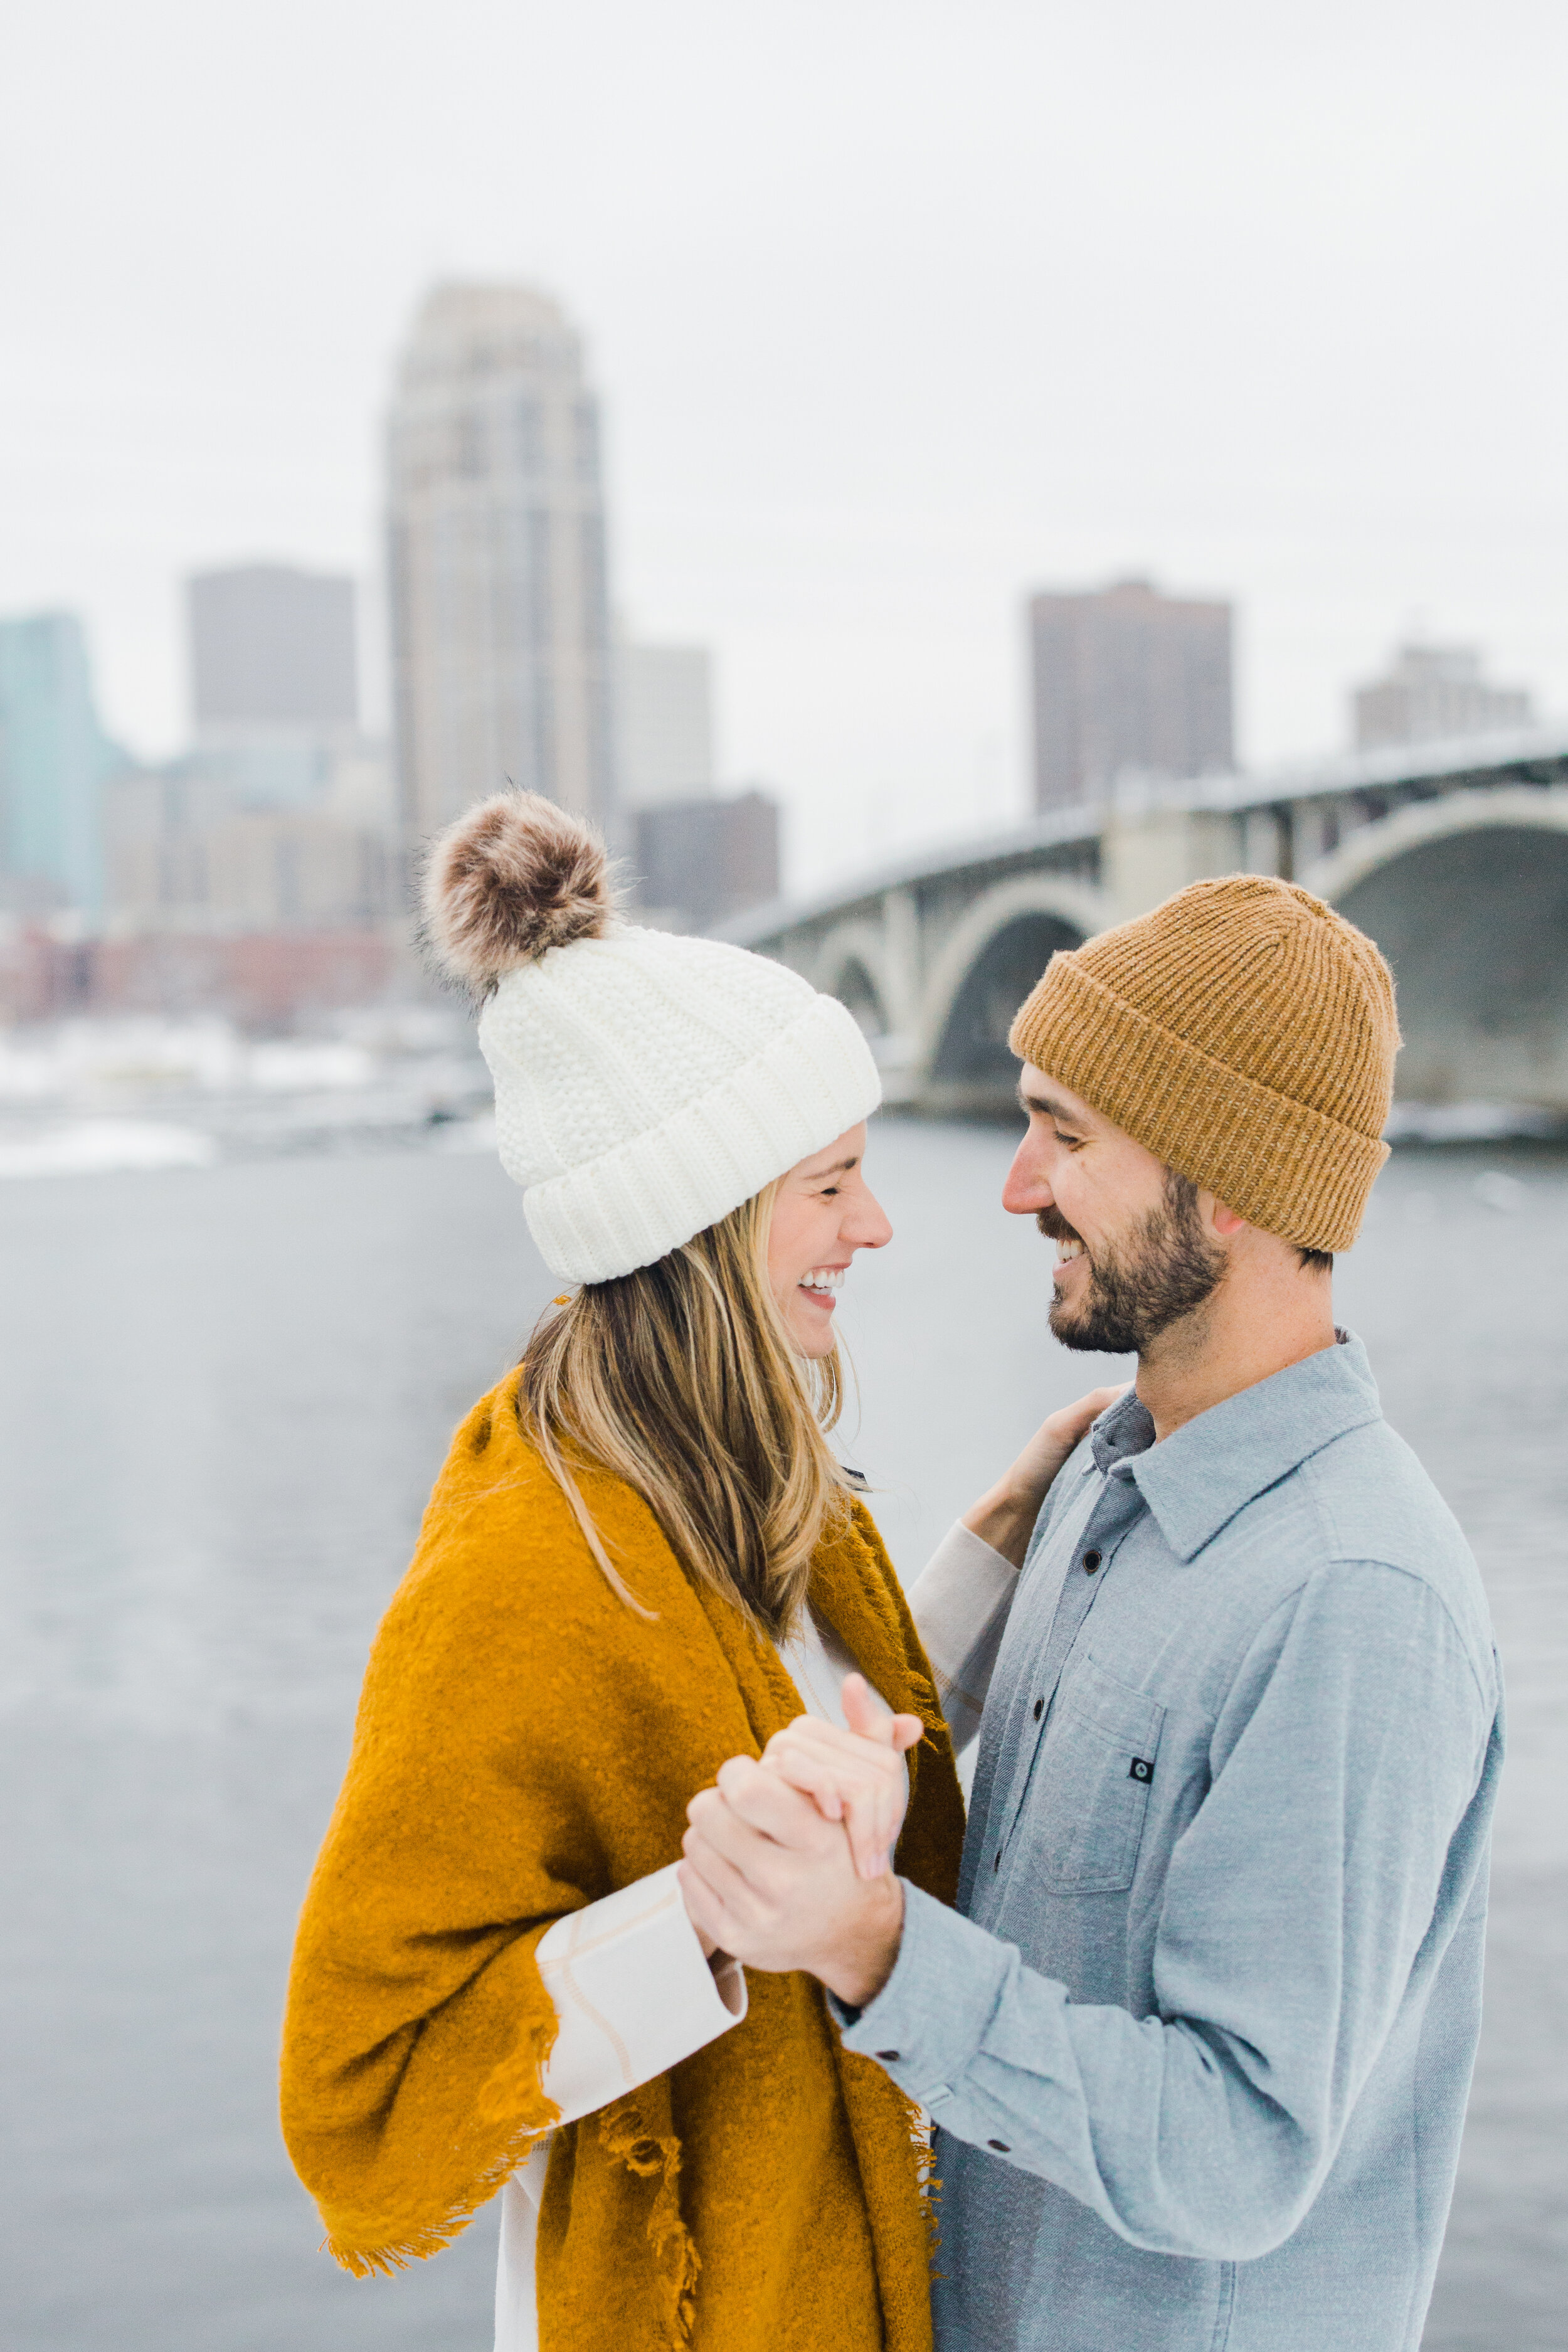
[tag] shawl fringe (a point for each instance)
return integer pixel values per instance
(625, 2135)
(921, 2132)
(514, 2091)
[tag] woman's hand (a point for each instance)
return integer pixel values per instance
(856, 1777)
(1005, 1519)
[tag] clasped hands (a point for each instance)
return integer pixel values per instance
(788, 1859)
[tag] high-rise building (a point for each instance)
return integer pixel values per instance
(496, 559)
(274, 680)
(1127, 680)
(279, 818)
(272, 648)
(664, 723)
(697, 859)
(1431, 692)
(700, 861)
(54, 758)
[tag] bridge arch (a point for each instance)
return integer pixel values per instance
(987, 967)
(851, 964)
(1468, 898)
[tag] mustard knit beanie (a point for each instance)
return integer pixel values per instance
(646, 1083)
(1245, 1033)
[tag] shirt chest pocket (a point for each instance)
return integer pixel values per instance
(1091, 1783)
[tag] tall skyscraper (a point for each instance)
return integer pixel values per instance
(272, 646)
(1431, 692)
(54, 758)
(1126, 678)
(664, 723)
(500, 627)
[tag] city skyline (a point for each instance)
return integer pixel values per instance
(679, 680)
(1128, 685)
(981, 309)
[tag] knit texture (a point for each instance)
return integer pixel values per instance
(525, 1745)
(1245, 1033)
(646, 1084)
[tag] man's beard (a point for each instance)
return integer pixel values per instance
(1167, 1268)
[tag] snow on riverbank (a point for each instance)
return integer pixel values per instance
(103, 1147)
(98, 1097)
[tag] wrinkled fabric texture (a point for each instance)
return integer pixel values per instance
(1199, 2052)
(525, 1744)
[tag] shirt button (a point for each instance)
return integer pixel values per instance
(1090, 1562)
(1000, 2145)
(996, 1859)
(1039, 1708)
(889, 2057)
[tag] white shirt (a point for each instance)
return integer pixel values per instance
(632, 1989)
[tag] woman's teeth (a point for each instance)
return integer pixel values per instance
(1066, 1250)
(824, 1277)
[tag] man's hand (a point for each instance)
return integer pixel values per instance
(856, 1777)
(774, 1883)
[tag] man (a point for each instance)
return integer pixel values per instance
(1198, 2038)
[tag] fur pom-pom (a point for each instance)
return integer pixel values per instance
(513, 877)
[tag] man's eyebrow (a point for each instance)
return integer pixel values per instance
(1049, 1107)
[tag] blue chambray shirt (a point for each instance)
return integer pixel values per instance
(1199, 2037)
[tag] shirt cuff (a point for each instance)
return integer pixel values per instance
(633, 1991)
(960, 1604)
(928, 2022)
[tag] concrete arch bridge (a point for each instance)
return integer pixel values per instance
(1454, 857)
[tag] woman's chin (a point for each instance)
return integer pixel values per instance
(812, 1331)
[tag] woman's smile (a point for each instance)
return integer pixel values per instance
(822, 1284)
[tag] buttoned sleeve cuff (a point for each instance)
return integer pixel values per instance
(633, 1991)
(960, 1602)
(929, 2022)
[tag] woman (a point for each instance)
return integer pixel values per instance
(640, 1559)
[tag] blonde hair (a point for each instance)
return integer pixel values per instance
(682, 1379)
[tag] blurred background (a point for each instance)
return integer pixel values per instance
(928, 481)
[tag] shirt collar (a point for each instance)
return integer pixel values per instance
(1202, 1474)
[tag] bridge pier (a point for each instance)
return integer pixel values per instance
(901, 946)
(1145, 855)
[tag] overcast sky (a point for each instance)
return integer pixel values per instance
(897, 309)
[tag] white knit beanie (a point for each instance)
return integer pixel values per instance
(646, 1083)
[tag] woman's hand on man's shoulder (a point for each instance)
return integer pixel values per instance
(1005, 1516)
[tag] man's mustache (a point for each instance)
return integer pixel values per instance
(1055, 1226)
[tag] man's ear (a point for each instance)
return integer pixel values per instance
(1226, 1221)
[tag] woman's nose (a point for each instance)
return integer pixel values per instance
(872, 1228)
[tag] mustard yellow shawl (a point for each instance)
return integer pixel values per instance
(525, 1745)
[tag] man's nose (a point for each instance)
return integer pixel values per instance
(1026, 1190)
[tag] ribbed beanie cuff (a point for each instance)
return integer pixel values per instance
(814, 1080)
(1316, 1010)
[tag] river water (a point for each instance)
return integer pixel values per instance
(226, 1390)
